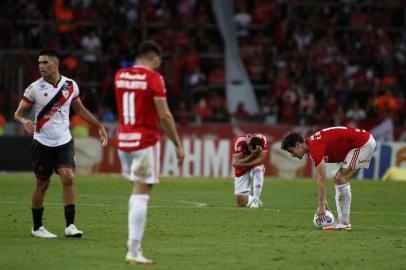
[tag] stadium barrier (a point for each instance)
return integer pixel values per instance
(208, 154)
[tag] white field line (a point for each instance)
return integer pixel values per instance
(200, 205)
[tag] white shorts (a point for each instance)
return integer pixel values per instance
(242, 184)
(359, 158)
(141, 165)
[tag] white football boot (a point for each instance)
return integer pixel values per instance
(255, 204)
(338, 227)
(42, 233)
(137, 258)
(72, 231)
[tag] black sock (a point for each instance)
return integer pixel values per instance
(37, 217)
(69, 214)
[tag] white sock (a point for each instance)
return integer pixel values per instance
(137, 217)
(258, 182)
(343, 203)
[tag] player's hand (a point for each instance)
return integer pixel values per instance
(29, 126)
(103, 136)
(321, 212)
(257, 151)
(180, 154)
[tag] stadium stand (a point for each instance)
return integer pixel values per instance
(309, 61)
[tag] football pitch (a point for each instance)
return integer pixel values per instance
(193, 223)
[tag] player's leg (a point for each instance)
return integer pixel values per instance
(43, 168)
(65, 165)
(258, 182)
(137, 218)
(343, 194)
(141, 167)
(242, 189)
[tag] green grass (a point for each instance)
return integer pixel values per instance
(194, 224)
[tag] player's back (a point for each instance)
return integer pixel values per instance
(343, 136)
(136, 88)
(335, 142)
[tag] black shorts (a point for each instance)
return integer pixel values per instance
(47, 159)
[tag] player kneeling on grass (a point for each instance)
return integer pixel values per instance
(249, 153)
(352, 147)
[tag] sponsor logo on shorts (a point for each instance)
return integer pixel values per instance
(364, 161)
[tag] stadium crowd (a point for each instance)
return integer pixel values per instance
(330, 62)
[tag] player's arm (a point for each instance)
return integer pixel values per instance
(19, 116)
(169, 126)
(86, 115)
(322, 188)
(256, 161)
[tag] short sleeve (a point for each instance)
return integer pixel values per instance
(29, 94)
(75, 90)
(238, 145)
(316, 153)
(158, 86)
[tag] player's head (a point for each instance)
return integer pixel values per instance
(295, 144)
(48, 61)
(254, 142)
(149, 51)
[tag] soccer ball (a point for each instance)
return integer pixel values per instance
(320, 224)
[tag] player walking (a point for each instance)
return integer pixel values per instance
(350, 146)
(249, 153)
(142, 106)
(53, 148)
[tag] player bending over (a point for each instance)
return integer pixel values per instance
(351, 147)
(249, 153)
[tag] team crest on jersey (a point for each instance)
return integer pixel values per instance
(65, 93)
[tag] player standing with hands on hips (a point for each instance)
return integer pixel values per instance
(142, 107)
(52, 149)
(352, 147)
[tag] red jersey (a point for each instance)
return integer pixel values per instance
(136, 88)
(240, 145)
(333, 144)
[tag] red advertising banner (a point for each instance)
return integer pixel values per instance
(207, 150)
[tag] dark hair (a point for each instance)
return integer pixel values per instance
(49, 52)
(147, 47)
(254, 142)
(290, 139)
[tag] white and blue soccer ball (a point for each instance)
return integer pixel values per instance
(329, 220)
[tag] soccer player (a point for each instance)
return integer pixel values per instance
(52, 149)
(351, 147)
(249, 153)
(142, 107)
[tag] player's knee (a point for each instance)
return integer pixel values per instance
(259, 169)
(43, 184)
(340, 179)
(67, 180)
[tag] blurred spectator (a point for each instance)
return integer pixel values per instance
(387, 103)
(355, 113)
(270, 110)
(201, 111)
(91, 45)
(217, 105)
(183, 114)
(241, 115)
(2, 124)
(242, 20)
